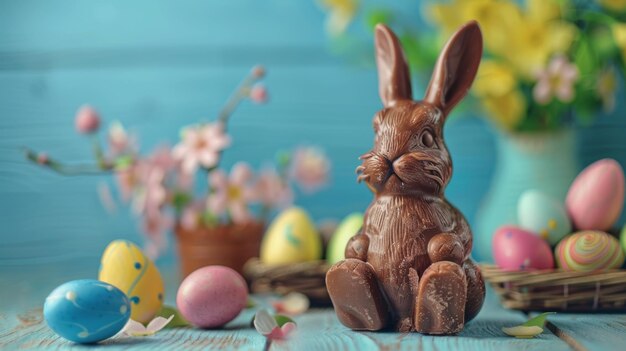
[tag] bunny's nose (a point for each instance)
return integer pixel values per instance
(394, 163)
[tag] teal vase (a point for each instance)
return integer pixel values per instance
(543, 161)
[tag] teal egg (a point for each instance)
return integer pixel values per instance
(86, 311)
(543, 215)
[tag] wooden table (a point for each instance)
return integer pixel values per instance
(24, 290)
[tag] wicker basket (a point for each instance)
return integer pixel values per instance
(308, 278)
(557, 290)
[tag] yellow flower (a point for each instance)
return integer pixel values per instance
(534, 42)
(606, 85)
(497, 89)
(524, 37)
(544, 10)
(619, 34)
(495, 19)
(494, 79)
(615, 5)
(507, 110)
(340, 14)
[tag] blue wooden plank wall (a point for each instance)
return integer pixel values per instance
(158, 65)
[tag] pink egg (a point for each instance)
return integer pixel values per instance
(596, 197)
(212, 296)
(516, 249)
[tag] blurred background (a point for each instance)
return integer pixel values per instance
(159, 66)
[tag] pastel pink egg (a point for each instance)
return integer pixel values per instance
(596, 197)
(212, 296)
(516, 249)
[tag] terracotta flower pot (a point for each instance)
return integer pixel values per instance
(227, 245)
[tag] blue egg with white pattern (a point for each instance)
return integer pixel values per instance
(86, 311)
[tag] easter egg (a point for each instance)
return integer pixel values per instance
(125, 266)
(516, 249)
(291, 238)
(86, 311)
(589, 250)
(541, 214)
(596, 197)
(346, 230)
(622, 238)
(212, 296)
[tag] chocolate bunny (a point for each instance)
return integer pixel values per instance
(408, 268)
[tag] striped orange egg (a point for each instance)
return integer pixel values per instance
(589, 250)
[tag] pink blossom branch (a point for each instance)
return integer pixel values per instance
(242, 93)
(67, 170)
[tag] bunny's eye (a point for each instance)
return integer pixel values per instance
(427, 139)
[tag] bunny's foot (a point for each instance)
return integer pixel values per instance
(475, 290)
(355, 294)
(440, 302)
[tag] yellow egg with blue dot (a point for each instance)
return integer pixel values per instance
(543, 215)
(126, 267)
(291, 238)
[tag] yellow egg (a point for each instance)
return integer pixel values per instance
(126, 267)
(291, 238)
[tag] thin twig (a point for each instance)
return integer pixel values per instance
(69, 170)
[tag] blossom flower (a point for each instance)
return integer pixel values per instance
(162, 159)
(155, 191)
(190, 218)
(43, 159)
(272, 190)
(104, 193)
(258, 93)
(155, 225)
(232, 193)
(119, 141)
(258, 71)
(292, 304)
(309, 168)
(87, 120)
(556, 80)
(134, 328)
(127, 180)
(267, 326)
(201, 146)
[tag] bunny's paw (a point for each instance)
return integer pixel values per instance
(354, 291)
(440, 305)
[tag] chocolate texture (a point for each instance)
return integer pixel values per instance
(408, 269)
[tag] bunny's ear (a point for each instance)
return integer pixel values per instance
(456, 68)
(394, 81)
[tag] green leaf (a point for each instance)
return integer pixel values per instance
(282, 320)
(180, 200)
(250, 303)
(538, 321)
(283, 158)
(177, 322)
(123, 162)
(209, 219)
(279, 318)
(584, 57)
(378, 16)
